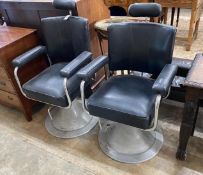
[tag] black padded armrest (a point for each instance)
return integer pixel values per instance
(29, 56)
(87, 72)
(76, 64)
(165, 79)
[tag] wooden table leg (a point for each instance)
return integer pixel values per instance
(178, 16)
(165, 11)
(191, 29)
(28, 114)
(188, 121)
(196, 29)
(172, 15)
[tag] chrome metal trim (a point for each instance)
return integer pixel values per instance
(100, 126)
(156, 114)
(107, 72)
(167, 93)
(21, 90)
(18, 81)
(128, 144)
(69, 123)
(68, 16)
(49, 112)
(66, 92)
(82, 91)
(50, 62)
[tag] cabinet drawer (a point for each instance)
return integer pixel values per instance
(6, 85)
(9, 99)
(3, 74)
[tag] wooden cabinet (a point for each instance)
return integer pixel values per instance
(31, 11)
(123, 3)
(13, 42)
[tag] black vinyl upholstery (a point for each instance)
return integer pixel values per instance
(148, 46)
(79, 62)
(165, 79)
(129, 99)
(144, 47)
(87, 72)
(125, 99)
(48, 86)
(145, 10)
(65, 39)
(29, 56)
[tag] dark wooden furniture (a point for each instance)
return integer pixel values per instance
(173, 15)
(123, 3)
(31, 11)
(194, 88)
(13, 42)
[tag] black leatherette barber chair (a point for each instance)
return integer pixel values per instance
(130, 103)
(67, 49)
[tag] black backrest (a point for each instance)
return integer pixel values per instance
(144, 47)
(65, 39)
(65, 4)
(145, 10)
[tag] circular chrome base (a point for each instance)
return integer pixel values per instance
(128, 144)
(69, 123)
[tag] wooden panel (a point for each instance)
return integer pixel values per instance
(15, 41)
(175, 3)
(3, 74)
(198, 12)
(9, 35)
(30, 18)
(7, 86)
(93, 10)
(139, 1)
(123, 3)
(9, 99)
(120, 2)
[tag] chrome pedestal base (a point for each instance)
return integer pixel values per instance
(128, 144)
(69, 123)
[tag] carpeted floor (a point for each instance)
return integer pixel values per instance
(28, 149)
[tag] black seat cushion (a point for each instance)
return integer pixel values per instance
(48, 86)
(125, 99)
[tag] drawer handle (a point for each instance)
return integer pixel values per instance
(10, 98)
(2, 83)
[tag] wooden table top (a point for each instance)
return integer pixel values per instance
(195, 75)
(105, 23)
(179, 3)
(10, 35)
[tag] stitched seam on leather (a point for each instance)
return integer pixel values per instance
(113, 109)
